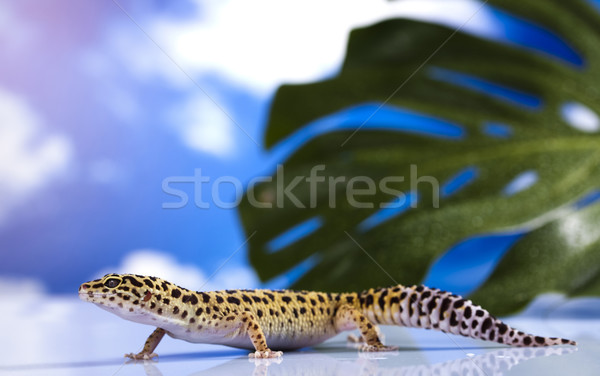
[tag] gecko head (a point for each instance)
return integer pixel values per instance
(127, 295)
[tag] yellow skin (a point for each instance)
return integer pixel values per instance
(287, 319)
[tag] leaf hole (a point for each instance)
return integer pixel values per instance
(476, 257)
(294, 234)
(497, 130)
(524, 33)
(392, 209)
(459, 181)
(521, 182)
(486, 87)
(294, 274)
(371, 116)
(580, 117)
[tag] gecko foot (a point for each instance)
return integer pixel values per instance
(373, 348)
(265, 354)
(141, 356)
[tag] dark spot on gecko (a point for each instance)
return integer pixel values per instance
(492, 335)
(426, 294)
(136, 302)
(208, 310)
(219, 299)
(166, 301)
(302, 310)
(199, 311)
(149, 283)
(321, 299)
(479, 313)
(286, 299)
(464, 325)
(314, 302)
(502, 328)
(403, 295)
(539, 340)
(459, 303)
(369, 300)
(256, 298)
(176, 293)
(420, 288)
(176, 310)
(527, 341)
(111, 298)
(259, 313)
(184, 314)
(271, 312)
(382, 300)
(216, 308)
(295, 311)
(474, 324)
(271, 296)
(487, 323)
(564, 341)
(300, 299)
(125, 297)
(283, 310)
(159, 311)
(133, 281)
(214, 316)
(233, 300)
(246, 298)
(444, 307)
(467, 313)
(205, 297)
(369, 325)
(453, 319)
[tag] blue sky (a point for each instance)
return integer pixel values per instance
(98, 107)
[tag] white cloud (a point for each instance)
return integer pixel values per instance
(29, 159)
(160, 264)
(203, 126)
(264, 43)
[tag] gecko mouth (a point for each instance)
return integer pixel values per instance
(88, 296)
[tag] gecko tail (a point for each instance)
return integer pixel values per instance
(430, 308)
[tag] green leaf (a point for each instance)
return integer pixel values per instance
(383, 65)
(562, 256)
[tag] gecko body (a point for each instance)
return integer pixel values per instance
(287, 319)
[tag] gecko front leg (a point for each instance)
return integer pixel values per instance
(348, 318)
(257, 337)
(151, 343)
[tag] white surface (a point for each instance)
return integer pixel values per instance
(64, 336)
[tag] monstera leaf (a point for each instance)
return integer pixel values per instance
(563, 255)
(484, 119)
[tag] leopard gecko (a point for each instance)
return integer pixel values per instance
(287, 319)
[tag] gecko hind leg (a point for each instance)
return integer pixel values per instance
(348, 318)
(148, 350)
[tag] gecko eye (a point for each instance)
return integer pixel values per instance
(112, 282)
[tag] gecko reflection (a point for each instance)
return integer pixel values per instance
(497, 362)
